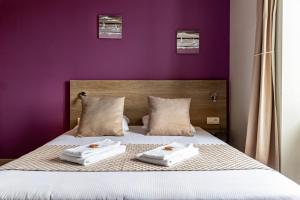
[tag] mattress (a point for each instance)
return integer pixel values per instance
(229, 184)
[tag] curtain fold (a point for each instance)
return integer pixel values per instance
(262, 141)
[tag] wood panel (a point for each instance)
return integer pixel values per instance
(137, 91)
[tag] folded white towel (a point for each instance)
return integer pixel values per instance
(85, 151)
(96, 157)
(167, 151)
(182, 156)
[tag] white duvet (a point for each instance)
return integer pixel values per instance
(230, 184)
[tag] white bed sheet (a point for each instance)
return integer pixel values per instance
(223, 185)
(137, 135)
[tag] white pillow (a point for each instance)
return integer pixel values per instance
(125, 123)
(145, 121)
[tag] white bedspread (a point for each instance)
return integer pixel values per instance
(239, 184)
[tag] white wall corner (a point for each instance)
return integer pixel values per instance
(242, 42)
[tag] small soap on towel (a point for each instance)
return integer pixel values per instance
(172, 160)
(167, 151)
(96, 157)
(92, 149)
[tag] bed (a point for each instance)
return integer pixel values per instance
(212, 184)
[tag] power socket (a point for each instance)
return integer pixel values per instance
(213, 120)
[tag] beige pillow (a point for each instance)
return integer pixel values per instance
(169, 116)
(145, 121)
(101, 116)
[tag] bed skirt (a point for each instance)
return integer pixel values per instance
(211, 157)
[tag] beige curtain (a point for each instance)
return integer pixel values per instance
(262, 141)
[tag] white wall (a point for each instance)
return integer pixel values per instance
(290, 89)
(242, 42)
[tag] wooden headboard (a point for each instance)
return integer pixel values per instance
(137, 91)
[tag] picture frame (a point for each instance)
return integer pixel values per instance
(109, 27)
(187, 41)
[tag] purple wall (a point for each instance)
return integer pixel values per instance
(43, 44)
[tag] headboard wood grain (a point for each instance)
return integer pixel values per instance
(137, 91)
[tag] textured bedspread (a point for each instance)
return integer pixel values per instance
(211, 158)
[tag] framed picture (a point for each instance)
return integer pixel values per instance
(187, 42)
(109, 27)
